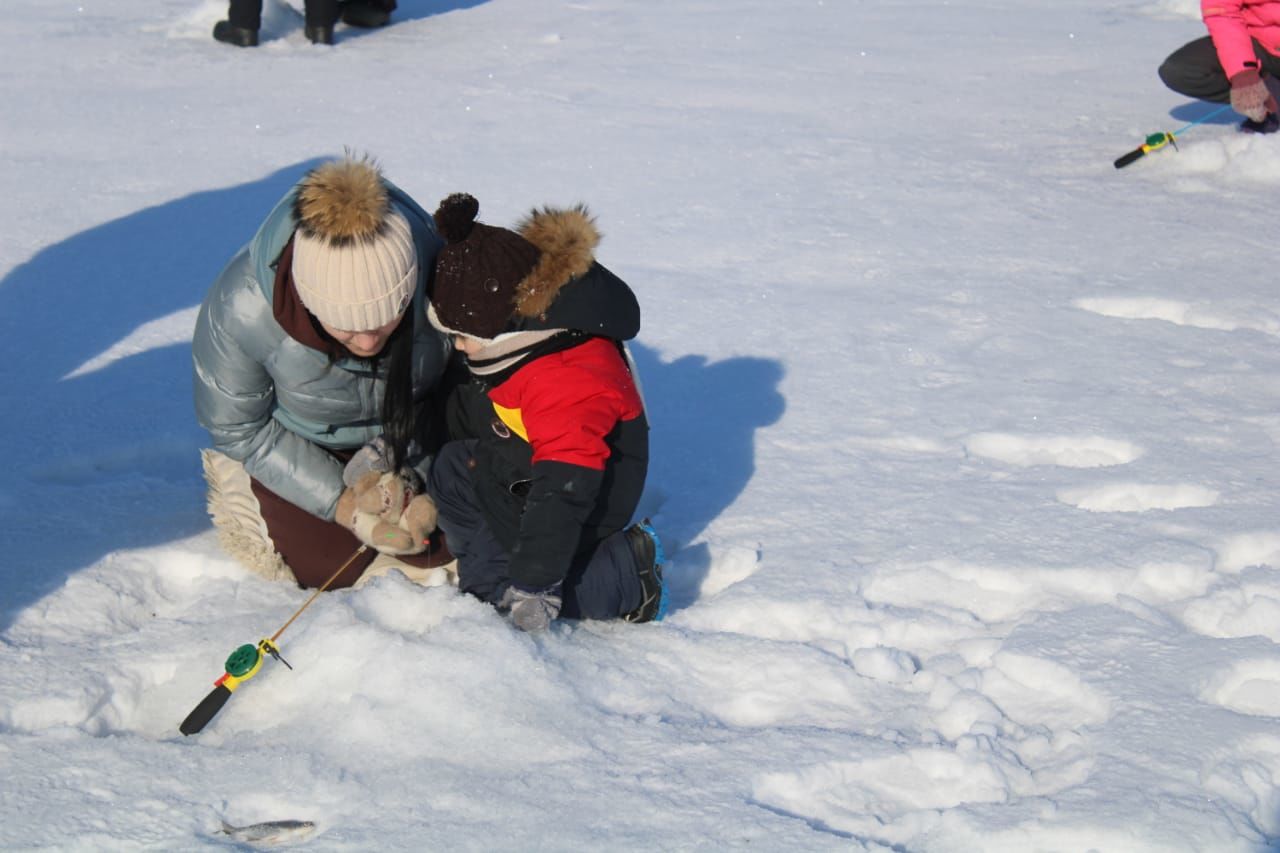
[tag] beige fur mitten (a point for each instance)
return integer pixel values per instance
(383, 512)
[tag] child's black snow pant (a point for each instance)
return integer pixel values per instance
(603, 586)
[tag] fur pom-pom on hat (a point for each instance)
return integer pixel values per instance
(342, 201)
(456, 216)
(355, 265)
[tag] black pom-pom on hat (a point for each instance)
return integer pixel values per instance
(456, 216)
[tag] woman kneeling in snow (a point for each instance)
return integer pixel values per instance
(312, 343)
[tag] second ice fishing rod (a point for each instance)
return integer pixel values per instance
(245, 662)
(1165, 137)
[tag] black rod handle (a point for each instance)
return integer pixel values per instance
(205, 711)
(1130, 157)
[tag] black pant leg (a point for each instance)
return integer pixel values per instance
(603, 585)
(321, 13)
(606, 586)
(482, 562)
(1269, 61)
(1194, 70)
(246, 14)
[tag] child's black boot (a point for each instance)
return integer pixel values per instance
(647, 550)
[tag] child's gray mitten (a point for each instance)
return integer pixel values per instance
(531, 609)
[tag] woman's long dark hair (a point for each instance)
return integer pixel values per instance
(399, 415)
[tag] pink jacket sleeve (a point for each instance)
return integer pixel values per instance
(1226, 22)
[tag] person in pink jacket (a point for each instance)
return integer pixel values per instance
(1232, 63)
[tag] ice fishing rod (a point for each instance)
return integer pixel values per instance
(1165, 137)
(245, 662)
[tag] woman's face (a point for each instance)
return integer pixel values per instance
(364, 344)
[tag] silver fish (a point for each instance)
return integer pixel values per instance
(270, 831)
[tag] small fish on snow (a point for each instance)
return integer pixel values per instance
(270, 832)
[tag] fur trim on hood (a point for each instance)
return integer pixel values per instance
(567, 239)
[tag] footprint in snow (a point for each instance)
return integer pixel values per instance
(1138, 497)
(1254, 548)
(1183, 313)
(735, 565)
(1080, 451)
(1036, 691)
(1244, 774)
(695, 573)
(885, 796)
(1248, 686)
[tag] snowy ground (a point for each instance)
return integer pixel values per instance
(965, 442)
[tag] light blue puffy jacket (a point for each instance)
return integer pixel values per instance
(274, 404)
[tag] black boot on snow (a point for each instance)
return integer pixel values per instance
(368, 15)
(238, 36)
(319, 34)
(644, 543)
(1270, 124)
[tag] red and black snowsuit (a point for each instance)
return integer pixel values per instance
(557, 454)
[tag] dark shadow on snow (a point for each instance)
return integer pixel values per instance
(703, 420)
(407, 10)
(413, 10)
(108, 459)
(1196, 110)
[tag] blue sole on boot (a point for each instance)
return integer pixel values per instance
(659, 560)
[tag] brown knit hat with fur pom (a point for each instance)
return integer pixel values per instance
(478, 271)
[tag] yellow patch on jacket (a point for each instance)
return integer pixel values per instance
(513, 419)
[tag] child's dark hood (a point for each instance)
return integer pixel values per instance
(568, 288)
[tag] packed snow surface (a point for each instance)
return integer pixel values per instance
(965, 443)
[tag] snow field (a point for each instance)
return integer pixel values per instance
(964, 441)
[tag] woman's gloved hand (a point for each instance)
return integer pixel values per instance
(385, 512)
(374, 456)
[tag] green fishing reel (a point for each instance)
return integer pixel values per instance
(242, 665)
(244, 661)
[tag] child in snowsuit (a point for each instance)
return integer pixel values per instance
(1229, 64)
(536, 504)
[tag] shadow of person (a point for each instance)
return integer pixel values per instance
(412, 10)
(1197, 110)
(702, 417)
(280, 18)
(102, 438)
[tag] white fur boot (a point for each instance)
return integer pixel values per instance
(241, 530)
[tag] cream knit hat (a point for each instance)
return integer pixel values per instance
(354, 261)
